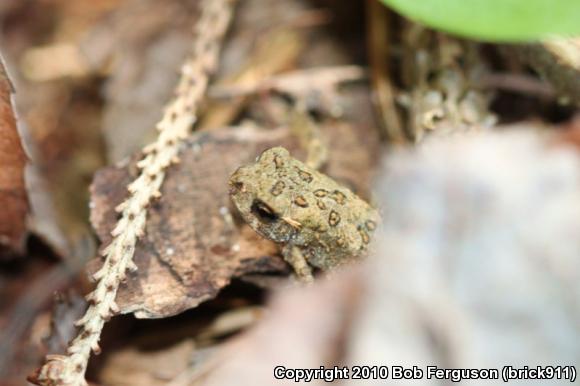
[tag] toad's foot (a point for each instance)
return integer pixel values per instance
(296, 259)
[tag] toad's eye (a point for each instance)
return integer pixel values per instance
(263, 212)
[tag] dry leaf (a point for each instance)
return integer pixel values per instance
(13, 198)
(60, 121)
(141, 44)
(132, 366)
(308, 325)
(68, 307)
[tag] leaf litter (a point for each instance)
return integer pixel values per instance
(117, 68)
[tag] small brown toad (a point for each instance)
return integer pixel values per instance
(319, 222)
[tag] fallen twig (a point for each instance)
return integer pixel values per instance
(294, 82)
(378, 52)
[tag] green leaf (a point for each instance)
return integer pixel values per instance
(495, 20)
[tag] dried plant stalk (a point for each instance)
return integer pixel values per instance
(178, 119)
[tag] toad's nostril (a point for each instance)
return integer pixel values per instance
(236, 185)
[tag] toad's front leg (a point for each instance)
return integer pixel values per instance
(296, 259)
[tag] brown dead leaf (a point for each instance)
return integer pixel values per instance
(68, 307)
(309, 325)
(25, 290)
(141, 45)
(60, 121)
(277, 50)
(132, 366)
(195, 243)
(13, 198)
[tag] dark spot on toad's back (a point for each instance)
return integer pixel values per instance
(305, 176)
(301, 201)
(278, 188)
(333, 218)
(320, 193)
